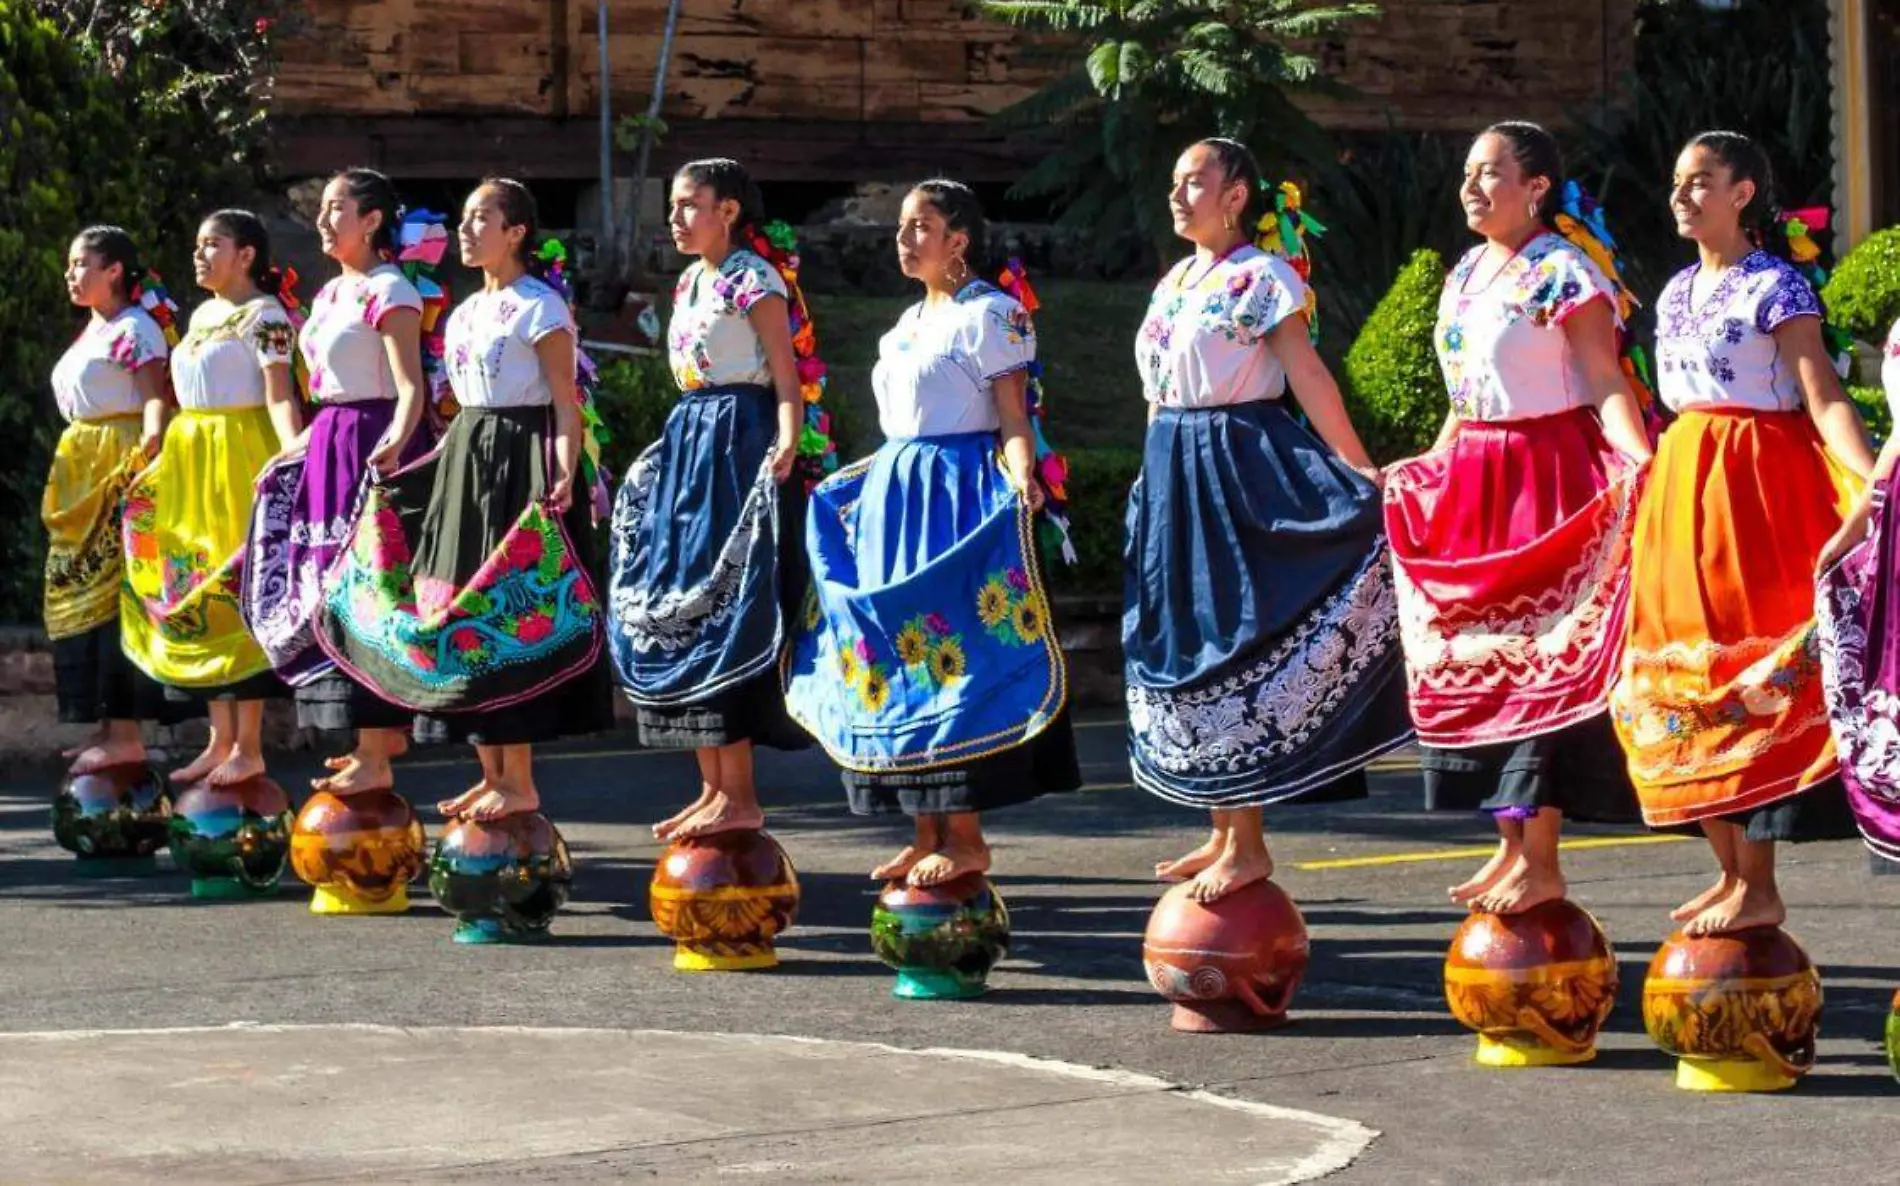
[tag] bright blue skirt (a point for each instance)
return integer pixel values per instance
(1260, 628)
(927, 642)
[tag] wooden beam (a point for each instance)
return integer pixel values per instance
(455, 148)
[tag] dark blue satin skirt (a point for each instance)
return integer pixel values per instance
(1260, 627)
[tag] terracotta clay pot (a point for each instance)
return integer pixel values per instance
(723, 899)
(1536, 985)
(360, 851)
(1740, 1012)
(113, 820)
(1230, 965)
(942, 940)
(503, 879)
(232, 840)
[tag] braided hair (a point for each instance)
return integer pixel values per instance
(246, 229)
(1746, 160)
(113, 245)
(1537, 154)
(374, 191)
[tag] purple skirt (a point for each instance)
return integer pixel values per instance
(1857, 613)
(302, 518)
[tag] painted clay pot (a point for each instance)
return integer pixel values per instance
(1740, 1012)
(723, 899)
(1536, 985)
(360, 852)
(113, 820)
(502, 879)
(942, 940)
(1230, 965)
(232, 840)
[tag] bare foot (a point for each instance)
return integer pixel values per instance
(213, 756)
(358, 779)
(501, 799)
(95, 758)
(459, 806)
(1741, 909)
(719, 815)
(951, 861)
(899, 866)
(1229, 872)
(397, 749)
(339, 762)
(239, 767)
(73, 751)
(1521, 888)
(665, 828)
(1723, 887)
(1183, 867)
(1487, 875)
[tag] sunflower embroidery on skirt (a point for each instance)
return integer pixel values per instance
(863, 674)
(1014, 613)
(932, 653)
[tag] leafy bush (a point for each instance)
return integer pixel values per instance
(1394, 388)
(1099, 481)
(1871, 403)
(633, 397)
(1863, 296)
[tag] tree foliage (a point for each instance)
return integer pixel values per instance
(1151, 76)
(1394, 388)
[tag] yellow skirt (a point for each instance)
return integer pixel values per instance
(186, 519)
(93, 464)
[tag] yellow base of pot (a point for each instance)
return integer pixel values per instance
(1730, 1074)
(1527, 1052)
(685, 959)
(335, 901)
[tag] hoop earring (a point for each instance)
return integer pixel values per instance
(962, 275)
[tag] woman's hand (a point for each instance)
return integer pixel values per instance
(1371, 473)
(387, 457)
(296, 448)
(782, 458)
(1030, 490)
(1853, 530)
(561, 493)
(151, 441)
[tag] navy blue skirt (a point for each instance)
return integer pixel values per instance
(1260, 627)
(708, 570)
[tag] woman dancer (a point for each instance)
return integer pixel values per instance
(1510, 540)
(187, 515)
(1719, 703)
(709, 544)
(110, 387)
(466, 592)
(1260, 631)
(928, 667)
(362, 347)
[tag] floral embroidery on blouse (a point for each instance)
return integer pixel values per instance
(128, 348)
(1723, 350)
(1479, 333)
(709, 312)
(1236, 302)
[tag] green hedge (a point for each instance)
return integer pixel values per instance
(1099, 481)
(1395, 390)
(1871, 402)
(1863, 295)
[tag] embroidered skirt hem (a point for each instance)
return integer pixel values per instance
(1719, 705)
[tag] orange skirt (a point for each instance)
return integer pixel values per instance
(1718, 704)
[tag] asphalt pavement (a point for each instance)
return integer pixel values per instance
(275, 1046)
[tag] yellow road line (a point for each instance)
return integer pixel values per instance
(1461, 854)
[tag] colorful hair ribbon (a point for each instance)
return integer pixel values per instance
(1282, 231)
(422, 239)
(777, 244)
(151, 295)
(1807, 256)
(1052, 468)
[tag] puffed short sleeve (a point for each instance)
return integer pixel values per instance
(999, 337)
(137, 342)
(271, 336)
(1567, 281)
(389, 291)
(1787, 296)
(745, 279)
(1273, 292)
(545, 313)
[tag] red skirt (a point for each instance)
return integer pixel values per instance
(1511, 555)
